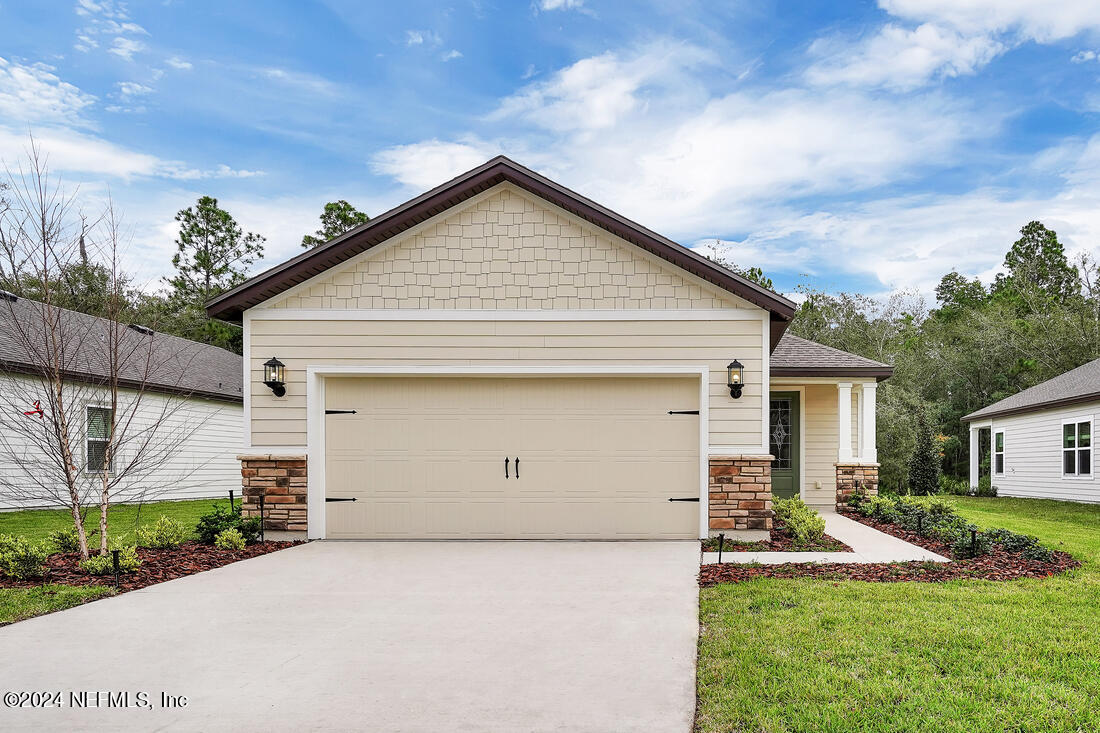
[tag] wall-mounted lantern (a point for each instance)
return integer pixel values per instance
(735, 378)
(275, 376)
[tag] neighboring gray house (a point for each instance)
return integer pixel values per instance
(192, 391)
(1040, 440)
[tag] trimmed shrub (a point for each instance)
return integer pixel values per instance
(229, 539)
(924, 465)
(805, 525)
(128, 562)
(64, 540)
(165, 533)
(220, 519)
(21, 558)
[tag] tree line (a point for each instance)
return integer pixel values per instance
(975, 345)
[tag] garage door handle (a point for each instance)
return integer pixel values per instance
(690, 498)
(339, 498)
(506, 467)
(517, 466)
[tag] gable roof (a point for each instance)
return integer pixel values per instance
(799, 357)
(1075, 386)
(158, 362)
(230, 305)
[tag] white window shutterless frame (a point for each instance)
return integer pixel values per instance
(1077, 448)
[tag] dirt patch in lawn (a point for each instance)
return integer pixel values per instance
(157, 566)
(781, 540)
(997, 565)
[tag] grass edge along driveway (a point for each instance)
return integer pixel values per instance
(806, 655)
(17, 604)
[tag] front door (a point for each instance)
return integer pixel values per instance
(784, 431)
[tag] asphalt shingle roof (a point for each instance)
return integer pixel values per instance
(1077, 385)
(161, 362)
(795, 356)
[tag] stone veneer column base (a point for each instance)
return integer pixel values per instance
(281, 481)
(852, 477)
(741, 496)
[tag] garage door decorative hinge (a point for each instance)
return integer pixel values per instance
(689, 498)
(683, 412)
(341, 498)
(339, 412)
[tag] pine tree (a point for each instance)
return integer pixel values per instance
(924, 465)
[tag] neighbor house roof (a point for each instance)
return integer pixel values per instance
(1075, 386)
(156, 361)
(799, 357)
(230, 305)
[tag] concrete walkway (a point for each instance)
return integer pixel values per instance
(867, 543)
(383, 636)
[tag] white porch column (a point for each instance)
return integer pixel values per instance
(974, 433)
(844, 421)
(868, 451)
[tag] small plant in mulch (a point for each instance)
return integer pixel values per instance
(997, 554)
(156, 565)
(220, 518)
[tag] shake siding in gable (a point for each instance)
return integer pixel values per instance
(1033, 455)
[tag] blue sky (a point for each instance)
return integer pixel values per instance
(849, 145)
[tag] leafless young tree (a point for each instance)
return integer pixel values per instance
(91, 409)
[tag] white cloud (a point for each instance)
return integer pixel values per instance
(560, 4)
(1044, 22)
(421, 38)
(454, 53)
(301, 81)
(1082, 57)
(427, 164)
(597, 92)
(950, 38)
(902, 58)
(132, 89)
(31, 93)
(177, 63)
(125, 48)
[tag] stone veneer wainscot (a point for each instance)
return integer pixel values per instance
(741, 493)
(851, 477)
(281, 481)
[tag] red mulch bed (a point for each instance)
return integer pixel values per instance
(780, 541)
(157, 566)
(998, 565)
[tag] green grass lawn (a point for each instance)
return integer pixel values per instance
(122, 518)
(17, 604)
(805, 655)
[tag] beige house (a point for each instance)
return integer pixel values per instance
(504, 358)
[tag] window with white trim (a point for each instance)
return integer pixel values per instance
(98, 436)
(1077, 448)
(999, 452)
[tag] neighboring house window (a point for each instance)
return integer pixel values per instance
(1077, 448)
(99, 434)
(999, 452)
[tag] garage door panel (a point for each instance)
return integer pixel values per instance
(600, 457)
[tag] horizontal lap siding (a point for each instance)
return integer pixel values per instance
(822, 443)
(301, 343)
(1033, 456)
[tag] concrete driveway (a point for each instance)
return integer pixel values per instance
(382, 636)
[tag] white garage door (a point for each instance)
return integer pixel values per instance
(436, 457)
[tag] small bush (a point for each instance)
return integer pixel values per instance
(217, 521)
(250, 530)
(21, 558)
(229, 539)
(1023, 544)
(64, 540)
(805, 525)
(165, 533)
(967, 545)
(954, 486)
(128, 562)
(986, 487)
